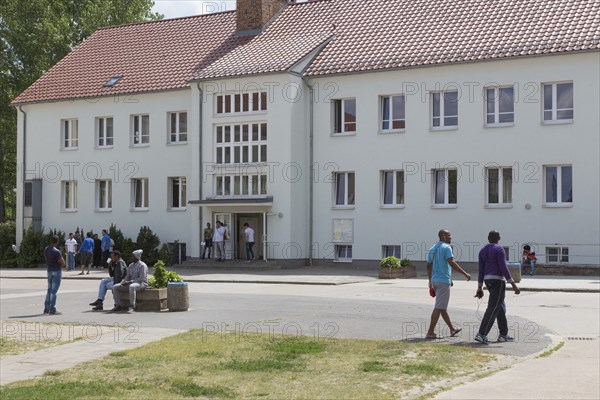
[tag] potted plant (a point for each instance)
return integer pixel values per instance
(177, 297)
(392, 268)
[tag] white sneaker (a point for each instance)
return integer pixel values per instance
(481, 338)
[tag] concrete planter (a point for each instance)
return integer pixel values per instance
(149, 299)
(396, 273)
(178, 298)
(515, 271)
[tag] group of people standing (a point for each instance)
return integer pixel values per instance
(88, 252)
(218, 236)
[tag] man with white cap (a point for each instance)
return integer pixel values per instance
(136, 279)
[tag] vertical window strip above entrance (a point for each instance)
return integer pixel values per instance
(241, 143)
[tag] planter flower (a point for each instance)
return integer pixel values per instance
(392, 268)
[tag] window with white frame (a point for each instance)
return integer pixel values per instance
(69, 133)
(393, 115)
(140, 129)
(241, 185)
(558, 182)
(392, 188)
(557, 102)
(139, 193)
(177, 193)
(445, 183)
(104, 132)
(499, 186)
(240, 103)
(444, 109)
(177, 127)
(241, 143)
(500, 106)
(344, 189)
(343, 253)
(69, 195)
(104, 195)
(389, 251)
(557, 255)
(344, 116)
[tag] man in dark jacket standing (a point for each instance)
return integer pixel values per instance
(54, 264)
(494, 272)
(117, 269)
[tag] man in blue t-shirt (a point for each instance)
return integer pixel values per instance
(86, 251)
(54, 263)
(440, 263)
(105, 246)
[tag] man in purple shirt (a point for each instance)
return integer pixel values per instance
(494, 272)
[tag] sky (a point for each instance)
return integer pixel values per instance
(184, 8)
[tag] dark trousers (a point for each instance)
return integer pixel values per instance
(496, 308)
(249, 251)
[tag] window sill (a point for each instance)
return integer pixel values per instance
(443, 128)
(500, 206)
(240, 114)
(558, 122)
(103, 210)
(177, 143)
(145, 209)
(444, 206)
(506, 125)
(391, 206)
(342, 207)
(181, 209)
(391, 131)
(136, 146)
(69, 148)
(343, 261)
(557, 205)
(69, 211)
(103, 147)
(343, 134)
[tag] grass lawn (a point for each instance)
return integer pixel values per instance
(17, 337)
(223, 366)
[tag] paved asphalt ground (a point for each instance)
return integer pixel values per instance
(337, 303)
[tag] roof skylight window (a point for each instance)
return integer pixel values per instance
(113, 81)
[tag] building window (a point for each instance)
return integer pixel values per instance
(558, 102)
(558, 181)
(69, 195)
(177, 193)
(343, 253)
(557, 255)
(392, 188)
(140, 129)
(241, 185)
(139, 194)
(251, 102)
(506, 252)
(445, 187)
(393, 117)
(344, 189)
(500, 106)
(104, 195)
(104, 132)
(389, 251)
(28, 194)
(499, 186)
(69, 133)
(245, 143)
(344, 116)
(177, 127)
(444, 109)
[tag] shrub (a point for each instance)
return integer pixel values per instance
(405, 262)
(31, 250)
(127, 247)
(390, 262)
(116, 235)
(8, 232)
(162, 277)
(164, 254)
(148, 242)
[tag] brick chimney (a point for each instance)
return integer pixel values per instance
(253, 15)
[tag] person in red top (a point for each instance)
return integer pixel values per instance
(528, 258)
(494, 272)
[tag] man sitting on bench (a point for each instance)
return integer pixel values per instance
(136, 279)
(117, 270)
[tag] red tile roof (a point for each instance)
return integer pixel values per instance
(151, 56)
(365, 36)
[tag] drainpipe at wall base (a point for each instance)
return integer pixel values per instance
(312, 172)
(24, 169)
(264, 236)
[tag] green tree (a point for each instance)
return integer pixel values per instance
(35, 35)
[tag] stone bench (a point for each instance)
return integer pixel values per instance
(149, 299)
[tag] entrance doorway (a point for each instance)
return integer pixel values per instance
(255, 222)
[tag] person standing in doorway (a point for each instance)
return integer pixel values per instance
(54, 263)
(249, 233)
(494, 272)
(440, 263)
(219, 240)
(208, 240)
(71, 246)
(86, 253)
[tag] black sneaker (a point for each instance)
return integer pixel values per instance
(54, 312)
(95, 303)
(46, 311)
(99, 307)
(116, 309)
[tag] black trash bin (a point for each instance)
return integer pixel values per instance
(177, 251)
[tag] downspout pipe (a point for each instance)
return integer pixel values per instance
(200, 172)
(24, 175)
(311, 169)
